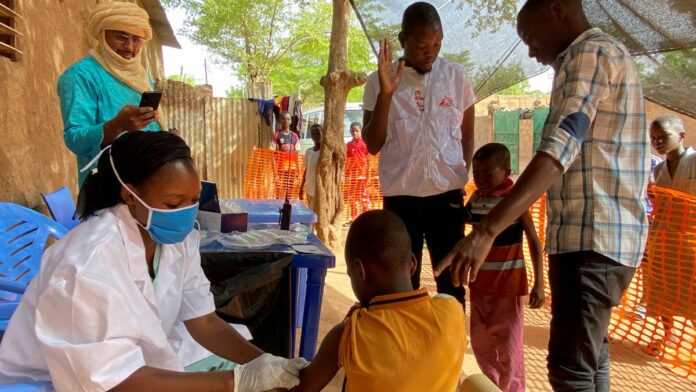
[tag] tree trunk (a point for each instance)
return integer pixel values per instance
(337, 83)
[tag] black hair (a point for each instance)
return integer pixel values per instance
(420, 14)
(355, 124)
(137, 156)
(379, 237)
(535, 5)
(499, 152)
(314, 127)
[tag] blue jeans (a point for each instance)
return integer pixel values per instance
(585, 286)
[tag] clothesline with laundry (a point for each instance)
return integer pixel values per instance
(271, 109)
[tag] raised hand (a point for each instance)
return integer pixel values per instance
(388, 79)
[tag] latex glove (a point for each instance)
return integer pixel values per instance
(268, 372)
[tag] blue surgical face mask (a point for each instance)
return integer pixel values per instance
(164, 226)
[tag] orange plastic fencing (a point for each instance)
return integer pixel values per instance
(658, 312)
(538, 213)
(361, 190)
(273, 175)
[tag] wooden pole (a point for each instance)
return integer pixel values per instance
(337, 83)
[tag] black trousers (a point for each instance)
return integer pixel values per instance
(585, 286)
(437, 220)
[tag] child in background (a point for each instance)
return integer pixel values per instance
(678, 170)
(285, 140)
(311, 159)
(497, 307)
(356, 148)
(396, 338)
(357, 170)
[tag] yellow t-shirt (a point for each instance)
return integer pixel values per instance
(404, 342)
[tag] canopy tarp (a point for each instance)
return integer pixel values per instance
(481, 35)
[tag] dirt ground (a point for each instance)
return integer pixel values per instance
(631, 370)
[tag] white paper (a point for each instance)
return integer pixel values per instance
(254, 239)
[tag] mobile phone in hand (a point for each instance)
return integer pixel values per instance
(150, 99)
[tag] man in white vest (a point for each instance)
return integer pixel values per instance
(419, 116)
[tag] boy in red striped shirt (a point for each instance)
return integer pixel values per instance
(497, 295)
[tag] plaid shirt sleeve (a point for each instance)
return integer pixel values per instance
(586, 84)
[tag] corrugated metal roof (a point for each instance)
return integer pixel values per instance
(160, 23)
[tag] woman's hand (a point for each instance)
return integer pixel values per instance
(388, 80)
(268, 372)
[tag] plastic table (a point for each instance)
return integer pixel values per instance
(267, 211)
(308, 269)
(266, 214)
(316, 265)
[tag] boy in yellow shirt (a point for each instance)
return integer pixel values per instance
(396, 338)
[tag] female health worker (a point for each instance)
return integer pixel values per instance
(101, 313)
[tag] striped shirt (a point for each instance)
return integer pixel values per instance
(503, 273)
(596, 130)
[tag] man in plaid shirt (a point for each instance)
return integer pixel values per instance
(594, 161)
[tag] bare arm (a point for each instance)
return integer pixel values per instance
(304, 178)
(586, 85)
(537, 295)
(213, 333)
(375, 121)
(325, 365)
(152, 379)
(468, 135)
(468, 256)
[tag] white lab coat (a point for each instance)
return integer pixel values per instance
(93, 316)
(422, 154)
(684, 177)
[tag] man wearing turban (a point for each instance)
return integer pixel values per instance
(99, 94)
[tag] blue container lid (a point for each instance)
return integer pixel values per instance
(268, 211)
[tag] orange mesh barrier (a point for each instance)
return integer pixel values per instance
(374, 190)
(361, 189)
(658, 312)
(273, 175)
(538, 212)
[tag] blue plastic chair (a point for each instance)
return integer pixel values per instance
(62, 207)
(6, 311)
(27, 387)
(23, 237)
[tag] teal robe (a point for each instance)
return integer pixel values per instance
(89, 97)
